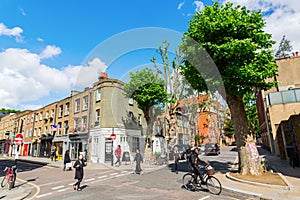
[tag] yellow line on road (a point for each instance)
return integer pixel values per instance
(32, 184)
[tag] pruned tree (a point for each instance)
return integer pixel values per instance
(241, 50)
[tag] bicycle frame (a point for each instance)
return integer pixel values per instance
(10, 173)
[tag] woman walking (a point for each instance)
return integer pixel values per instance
(138, 159)
(67, 159)
(176, 159)
(78, 165)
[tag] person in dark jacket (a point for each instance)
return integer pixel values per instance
(78, 165)
(138, 159)
(67, 159)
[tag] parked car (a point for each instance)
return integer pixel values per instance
(181, 148)
(211, 149)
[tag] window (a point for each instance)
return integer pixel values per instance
(32, 118)
(47, 115)
(140, 120)
(67, 112)
(46, 130)
(98, 94)
(34, 132)
(85, 103)
(130, 117)
(26, 133)
(60, 114)
(40, 131)
(41, 116)
(30, 132)
(66, 127)
(84, 123)
(135, 143)
(76, 124)
(28, 119)
(36, 117)
(59, 128)
(52, 113)
(130, 101)
(77, 105)
(97, 121)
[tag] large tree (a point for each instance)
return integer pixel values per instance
(147, 89)
(234, 39)
(284, 48)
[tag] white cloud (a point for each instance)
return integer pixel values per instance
(15, 32)
(282, 17)
(50, 51)
(180, 5)
(199, 5)
(40, 39)
(25, 79)
(22, 11)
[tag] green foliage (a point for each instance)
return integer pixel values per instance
(251, 112)
(228, 128)
(9, 110)
(146, 88)
(235, 40)
(284, 48)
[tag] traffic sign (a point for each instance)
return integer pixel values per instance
(18, 139)
(112, 136)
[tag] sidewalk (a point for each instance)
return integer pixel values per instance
(21, 191)
(263, 191)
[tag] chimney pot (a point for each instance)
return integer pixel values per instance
(103, 75)
(296, 53)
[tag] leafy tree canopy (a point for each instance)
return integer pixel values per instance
(9, 110)
(146, 88)
(235, 40)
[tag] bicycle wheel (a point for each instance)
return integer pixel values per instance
(4, 181)
(188, 181)
(11, 182)
(213, 185)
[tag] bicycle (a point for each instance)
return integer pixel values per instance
(9, 177)
(213, 185)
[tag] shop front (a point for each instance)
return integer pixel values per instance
(60, 142)
(45, 146)
(25, 149)
(78, 145)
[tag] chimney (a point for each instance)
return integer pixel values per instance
(296, 54)
(103, 75)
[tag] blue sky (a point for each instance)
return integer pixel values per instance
(44, 45)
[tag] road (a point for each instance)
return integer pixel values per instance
(120, 183)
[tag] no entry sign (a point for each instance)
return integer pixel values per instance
(18, 139)
(112, 136)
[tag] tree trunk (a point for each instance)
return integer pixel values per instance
(147, 148)
(247, 151)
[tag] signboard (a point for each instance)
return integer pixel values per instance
(112, 136)
(18, 139)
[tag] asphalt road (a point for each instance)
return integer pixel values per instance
(118, 184)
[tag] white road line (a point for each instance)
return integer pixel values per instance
(58, 187)
(62, 190)
(43, 195)
(91, 179)
(204, 198)
(113, 174)
(102, 176)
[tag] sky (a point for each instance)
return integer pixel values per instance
(48, 48)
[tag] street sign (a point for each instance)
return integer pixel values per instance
(112, 136)
(18, 139)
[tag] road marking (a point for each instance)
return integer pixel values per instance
(58, 187)
(43, 195)
(91, 179)
(62, 190)
(102, 176)
(32, 184)
(113, 174)
(204, 198)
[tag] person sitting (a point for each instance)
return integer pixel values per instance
(197, 164)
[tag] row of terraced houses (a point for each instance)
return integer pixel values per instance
(80, 123)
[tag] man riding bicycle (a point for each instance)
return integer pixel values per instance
(196, 164)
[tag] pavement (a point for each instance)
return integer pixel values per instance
(254, 190)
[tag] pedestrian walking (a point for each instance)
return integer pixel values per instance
(67, 161)
(53, 153)
(78, 165)
(176, 159)
(138, 159)
(118, 152)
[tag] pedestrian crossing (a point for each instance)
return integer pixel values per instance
(68, 186)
